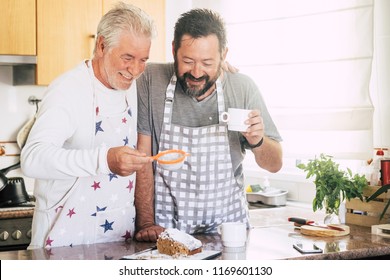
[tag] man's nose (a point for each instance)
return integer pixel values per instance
(136, 68)
(197, 70)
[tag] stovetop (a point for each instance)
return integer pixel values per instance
(15, 226)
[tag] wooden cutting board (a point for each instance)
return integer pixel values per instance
(323, 232)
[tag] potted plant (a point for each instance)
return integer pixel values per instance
(333, 185)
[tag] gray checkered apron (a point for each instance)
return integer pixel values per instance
(204, 192)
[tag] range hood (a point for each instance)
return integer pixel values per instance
(17, 59)
(23, 68)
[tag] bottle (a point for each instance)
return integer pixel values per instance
(376, 170)
(266, 183)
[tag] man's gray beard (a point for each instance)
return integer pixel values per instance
(192, 92)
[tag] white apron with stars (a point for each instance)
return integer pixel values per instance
(204, 193)
(100, 208)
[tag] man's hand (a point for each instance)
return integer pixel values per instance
(124, 160)
(149, 234)
(226, 66)
(255, 131)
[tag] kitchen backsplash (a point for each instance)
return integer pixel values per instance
(15, 111)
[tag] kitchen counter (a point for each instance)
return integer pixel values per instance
(271, 237)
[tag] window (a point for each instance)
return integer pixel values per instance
(312, 61)
(322, 66)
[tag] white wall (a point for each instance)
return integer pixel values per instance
(14, 112)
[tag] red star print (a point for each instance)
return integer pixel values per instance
(49, 241)
(124, 120)
(96, 185)
(127, 235)
(130, 186)
(97, 110)
(71, 212)
(49, 253)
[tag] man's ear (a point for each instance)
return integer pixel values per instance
(100, 45)
(224, 53)
(173, 48)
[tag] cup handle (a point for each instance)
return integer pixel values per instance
(225, 116)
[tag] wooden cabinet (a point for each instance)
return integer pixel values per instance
(66, 31)
(17, 27)
(61, 33)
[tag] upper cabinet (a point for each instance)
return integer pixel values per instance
(18, 27)
(62, 33)
(66, 31)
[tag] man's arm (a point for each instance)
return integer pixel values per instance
(268, 152)
(146, 230)
(269, 155)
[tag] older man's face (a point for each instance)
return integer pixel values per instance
(124, 62)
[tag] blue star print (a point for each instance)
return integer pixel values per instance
(126, 141)
(129, 112)
(107, 226)
(98, 209)
(98, 127)
(112, 176)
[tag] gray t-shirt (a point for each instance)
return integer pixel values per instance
(239, 92)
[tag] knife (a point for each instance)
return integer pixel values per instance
(303, 221)
(300, 221)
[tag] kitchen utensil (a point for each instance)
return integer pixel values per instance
(235, 118)
(325, 232)
(3, 173)
(153, 254)
(300, 221)
(303, 221)
(383, 230)
(171, 159)
(385, 171)
(14, 193)
(22, 135)
(269, 197)
(13, 190)
(233, 234)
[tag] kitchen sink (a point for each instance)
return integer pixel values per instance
(269, 197)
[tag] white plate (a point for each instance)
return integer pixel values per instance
(155, 255)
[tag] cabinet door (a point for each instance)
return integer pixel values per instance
(66, 31)
(17, 27)
(156, 9)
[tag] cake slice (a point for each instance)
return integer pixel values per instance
(174, 242)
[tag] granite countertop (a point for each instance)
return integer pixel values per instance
(271, 237)
(16, 212)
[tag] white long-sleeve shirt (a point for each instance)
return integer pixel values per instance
(59, 148)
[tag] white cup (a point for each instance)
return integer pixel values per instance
(232, 253)
(233, 234)
(235, 118)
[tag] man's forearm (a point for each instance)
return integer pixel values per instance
(269, 155)
(144, 198)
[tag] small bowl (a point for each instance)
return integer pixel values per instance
(171, 159)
